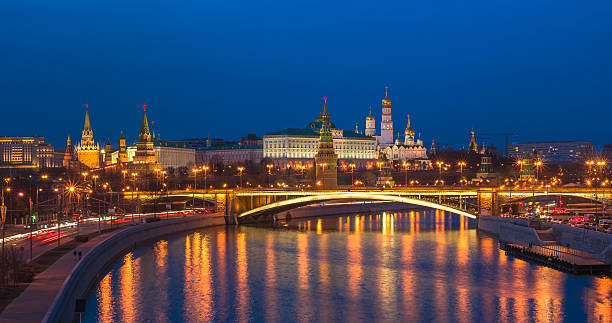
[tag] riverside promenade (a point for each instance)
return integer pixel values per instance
(68, 275)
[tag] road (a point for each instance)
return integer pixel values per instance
(44, 239)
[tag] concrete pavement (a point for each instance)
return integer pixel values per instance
(33, 303)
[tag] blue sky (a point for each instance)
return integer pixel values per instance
(542, 69)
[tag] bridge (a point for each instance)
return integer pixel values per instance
(254, 205)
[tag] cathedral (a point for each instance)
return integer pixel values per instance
(408, 149)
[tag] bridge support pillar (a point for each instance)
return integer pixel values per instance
(487, 203)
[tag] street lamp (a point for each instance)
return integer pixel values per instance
(440, 164)
(405, 165)
(240, 169)
(134, 175)
(538, 165)
(205, 169)
(195, 185)
(352, 166)
(269, 166)
(461, 164)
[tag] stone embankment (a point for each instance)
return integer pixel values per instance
(88, 270)
(517, 231)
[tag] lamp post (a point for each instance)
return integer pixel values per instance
(3, 214)
(590, 164)
(195, 186)
(405, 165)
(269, 166)
(205, 168)
(538, 165)
(240, 169)
(133, 188)
(461, 164)
(440, 164)
(352, 166)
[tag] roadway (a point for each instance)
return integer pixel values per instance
(45, 238)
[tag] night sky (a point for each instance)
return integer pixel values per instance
(542, 69)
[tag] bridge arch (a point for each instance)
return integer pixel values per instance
(293, 203)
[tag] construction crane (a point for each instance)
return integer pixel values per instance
(503, 134)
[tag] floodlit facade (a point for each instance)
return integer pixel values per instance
(26, 152)
(552, 151)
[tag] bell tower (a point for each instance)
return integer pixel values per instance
(370, 124)
(386, 124)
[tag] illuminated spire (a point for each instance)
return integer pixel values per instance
(87, 126)
(122, 137)
(473, 145)
(370, 116)
(145, 135)
(409, 132)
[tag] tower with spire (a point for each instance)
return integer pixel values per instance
(370, 129)
(326, 159)
(145, 153)
(68, 154)
(473, 145)
(432, 148)
(123, 154)
(108, 153)
(386, 124)
(88, 152)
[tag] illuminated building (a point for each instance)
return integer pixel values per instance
(230, 154)
(386, 124)
(88, 152)
(553, 151)
(26, 152)
(486, 169)
(326, 160)
(410, 150)
(145, 153)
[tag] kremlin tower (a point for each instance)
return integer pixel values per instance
(326, 159)
(145, 153)
(88, 152)
(68, 154)
(386, 125)
(108, 153)
(370, 125)
(123, 154)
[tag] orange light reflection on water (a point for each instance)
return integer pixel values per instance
(129, 288)
(160, 250)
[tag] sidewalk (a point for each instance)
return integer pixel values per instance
(33, 303)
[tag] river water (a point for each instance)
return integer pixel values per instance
(419, 265)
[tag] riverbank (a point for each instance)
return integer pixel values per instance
(596, 245)
(52, 294)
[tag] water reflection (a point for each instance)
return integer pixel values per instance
(392, 266)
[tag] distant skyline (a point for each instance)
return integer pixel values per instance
(228, 68)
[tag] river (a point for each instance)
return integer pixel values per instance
(418, 265)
